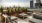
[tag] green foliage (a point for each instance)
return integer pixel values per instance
(23, 8)
(1, 9)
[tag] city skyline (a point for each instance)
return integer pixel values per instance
(22, 3)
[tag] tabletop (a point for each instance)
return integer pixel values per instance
(13, 17)
(23, 14)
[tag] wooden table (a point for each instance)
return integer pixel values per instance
(23, 15)
(13, 19)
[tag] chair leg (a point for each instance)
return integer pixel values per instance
(15, 21)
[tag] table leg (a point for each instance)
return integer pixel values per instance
(23, 17)
(5, 20)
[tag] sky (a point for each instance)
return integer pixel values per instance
(22, 3)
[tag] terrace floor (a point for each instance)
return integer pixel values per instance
(19, 20)
(27, 20)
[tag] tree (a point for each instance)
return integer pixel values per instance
(1, 9)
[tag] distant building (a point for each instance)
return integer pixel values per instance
(38, 4)
(41, 5)
(38, 1)
(31, 4)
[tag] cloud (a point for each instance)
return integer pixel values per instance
(16, 4)
(16, 0)
(8, 3)
(22, 3)
(34, 1)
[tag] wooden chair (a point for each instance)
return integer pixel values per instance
(2, 19)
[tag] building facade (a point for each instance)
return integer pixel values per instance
(31, 4)
(38, 4)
